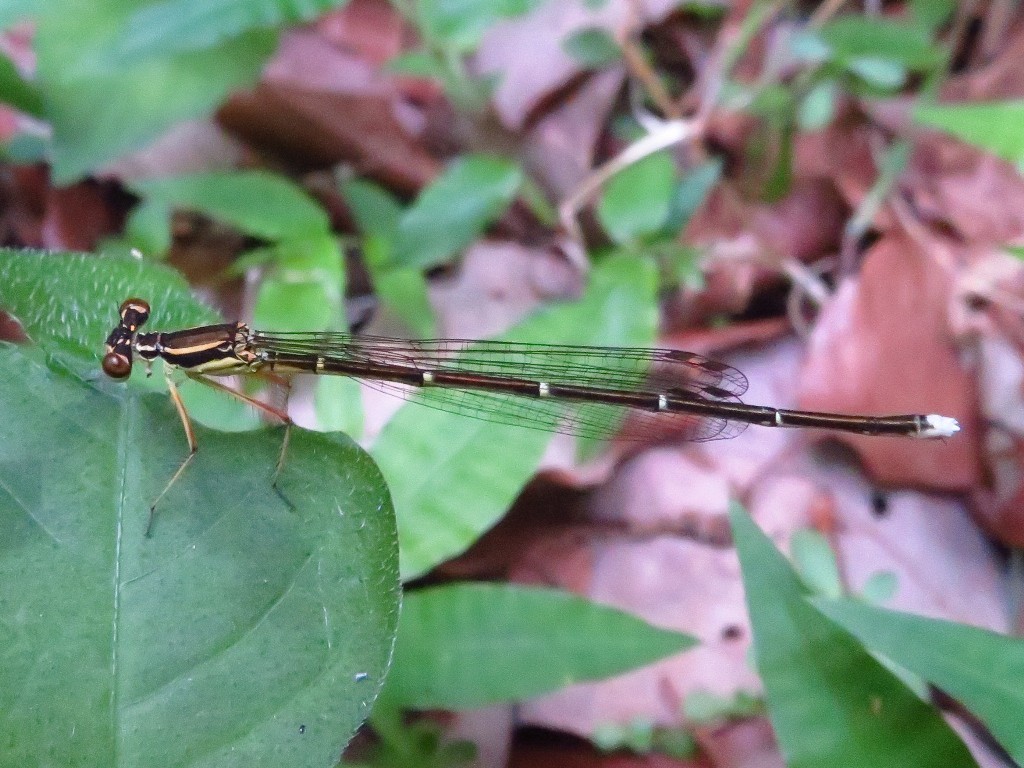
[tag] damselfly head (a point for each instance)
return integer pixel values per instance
(117, 360)
(117, 365)
(134, 312)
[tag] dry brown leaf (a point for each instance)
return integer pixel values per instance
(882, 346)
(526, 53)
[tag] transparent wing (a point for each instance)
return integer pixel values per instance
(619, 369)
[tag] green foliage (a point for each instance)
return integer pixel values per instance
(68, 303)
(452, 478)
(852, 38)
(419, 744)
(592, 47)
(259, 203)
(636, 201)
(995, 126)
(16, 91)
(643, 737)
(469, 645)
(817, 107)
(148, 228)
(830, 701)
(450, 30)
(984, 671)
(709, 709)
(306, 288)
(171, 27)
(13, 11)
(245, 629)
(99, 112)
(646, 207)
(149, 65)
(457, 26)
(402, 290)
(932, 14)
(816, 563)
(455, 210)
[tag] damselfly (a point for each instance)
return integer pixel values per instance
(607, 392)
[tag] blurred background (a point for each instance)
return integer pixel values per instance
(825, 195)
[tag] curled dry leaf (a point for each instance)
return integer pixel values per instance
(526, 80)
(559, 149)
(320, 106)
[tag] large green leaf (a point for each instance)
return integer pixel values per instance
(99, 112)
(246, 630)
(637, 201)
(830, 701)
(458, 25)
(243, 632)
(402, 290)
(259, 203)
(173, 26)
(981, 669)
(469, 645)
(451, 476)
(454, 210)
(852, 37)
(16, 91)
(69, 301)
(995, 126)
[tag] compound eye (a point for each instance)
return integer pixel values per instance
(116, 365)
(134, 312)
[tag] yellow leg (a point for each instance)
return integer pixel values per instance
(190, 435)
(281, 415)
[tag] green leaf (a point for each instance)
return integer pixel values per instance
(176, 26)
(416, 64)
(376, 211)
(13, 11)
(455, 209)
(244, 628)
(853, 36)
(98, 114)
(458, 25)
(68, 302)
(932, 14)
(1017, 251)
(997, 127)
(25, 149)
(829, 701)
(402, 290)
(879, 588)
(592, 47)
(689, 195)
(452, 477)
(258, 203)
(637, 201)
(149, 228)
(818, 107)
(469, 645)
(339, 405)
(306, 288)
(244, 631)
(16, 91)
(982, 670)
(816, 563)
(879, 73)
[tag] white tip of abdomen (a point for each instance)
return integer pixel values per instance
(939, 426)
